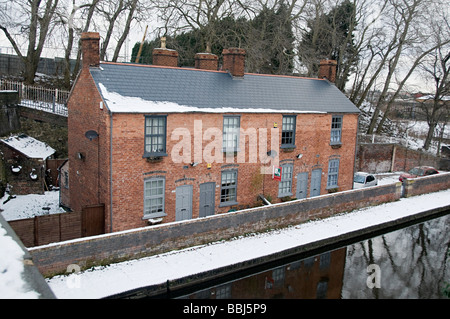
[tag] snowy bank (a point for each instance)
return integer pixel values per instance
(28, 206)
(101, 282)
(19, 277)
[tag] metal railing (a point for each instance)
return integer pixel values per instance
(40, 98)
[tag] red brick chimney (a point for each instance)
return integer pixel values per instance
(206, 61)
(165, 57)
(90, 49)
(327, 69)
(234, 61)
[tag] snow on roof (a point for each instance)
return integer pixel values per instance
(29, 146)
(127, 104)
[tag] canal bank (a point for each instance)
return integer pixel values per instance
(206, 262)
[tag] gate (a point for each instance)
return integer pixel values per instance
(93, 220)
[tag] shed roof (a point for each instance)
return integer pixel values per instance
(131, 88)
(29, 146)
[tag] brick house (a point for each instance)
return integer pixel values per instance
(159, 143)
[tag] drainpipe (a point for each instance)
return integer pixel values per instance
(110, 172)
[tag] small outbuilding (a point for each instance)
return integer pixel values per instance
(25, 164)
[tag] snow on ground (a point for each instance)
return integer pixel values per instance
(101, 282)
(28, 206)
(12, 285)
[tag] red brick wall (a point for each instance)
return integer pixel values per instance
(130, 169)
(89, 176)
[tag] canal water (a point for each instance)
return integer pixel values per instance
(413, 262)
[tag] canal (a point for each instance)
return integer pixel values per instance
(412, 262)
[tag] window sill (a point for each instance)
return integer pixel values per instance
(336, 145)
(285, 195)
(225, 204)
(332, 189)
(288, 147)
(154, 155)
(154, 215)
(230, 151)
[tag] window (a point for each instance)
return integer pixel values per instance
(155, 136)
(288, 132)
(333, 170)
(231, 125)
(154, 197)
(285, 185)
(66, 179)
(336, 129)
(229, 186)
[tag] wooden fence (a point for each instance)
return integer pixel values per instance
(46, 229)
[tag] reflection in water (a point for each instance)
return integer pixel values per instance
(413, 262)
(408, 263)
(315, 277)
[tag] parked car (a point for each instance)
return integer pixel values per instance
(362, 179)
(418, 172)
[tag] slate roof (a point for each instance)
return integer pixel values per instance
(216, 89)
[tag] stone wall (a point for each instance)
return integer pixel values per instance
(9, 112)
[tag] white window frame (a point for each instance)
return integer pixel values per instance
(230, 135)
(333, 173)
(336, 130)
(232, 200)
(285, 185)
(154, 192)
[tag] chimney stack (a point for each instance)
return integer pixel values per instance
(327, 69)
(206, 61)
(165, 57)
(234, 61)
(90, 49)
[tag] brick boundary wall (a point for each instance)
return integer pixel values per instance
(378, 158)
(53, 259)
(427, 184)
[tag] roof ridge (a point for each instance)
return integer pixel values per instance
(189, 68)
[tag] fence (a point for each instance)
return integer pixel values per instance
(45, 229)
(49, 100)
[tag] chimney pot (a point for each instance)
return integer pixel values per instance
(327, 69)
(90, 49)
(234, 61)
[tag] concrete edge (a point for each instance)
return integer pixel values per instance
(31, 275)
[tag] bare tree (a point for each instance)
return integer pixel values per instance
(405, 13)
(180, 15)
(33, 18)
(436, 107)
